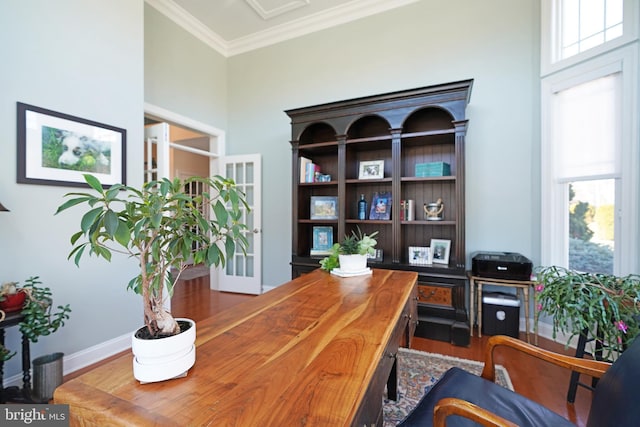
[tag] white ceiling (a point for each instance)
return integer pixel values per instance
(236, 26)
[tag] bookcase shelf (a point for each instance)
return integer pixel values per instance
(402, 129)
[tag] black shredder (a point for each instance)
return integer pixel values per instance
(500, 314)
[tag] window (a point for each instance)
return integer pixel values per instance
(589, 166)
(588, 23)
(575, 30)
(590, 155)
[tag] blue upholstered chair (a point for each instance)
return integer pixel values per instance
(463, 399)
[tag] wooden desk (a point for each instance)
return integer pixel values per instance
(520, 285)
(315, 351)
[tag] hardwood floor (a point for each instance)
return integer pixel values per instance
(537, 380)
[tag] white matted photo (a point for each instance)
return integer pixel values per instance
(440, 251)
(371, 169)
(58, 149)
(419, 255)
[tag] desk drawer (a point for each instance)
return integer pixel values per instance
(437, 295)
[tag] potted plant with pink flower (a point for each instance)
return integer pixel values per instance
(578, 301)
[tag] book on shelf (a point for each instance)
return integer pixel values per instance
(303, 168)
(407, 210)
(308, 170)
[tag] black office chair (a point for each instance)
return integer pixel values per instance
(463, 399)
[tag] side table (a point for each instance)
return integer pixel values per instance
(16, 394)
(520, 285)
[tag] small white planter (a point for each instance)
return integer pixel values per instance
(165, 358)
(352, 263)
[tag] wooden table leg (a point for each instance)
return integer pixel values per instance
(392, 381)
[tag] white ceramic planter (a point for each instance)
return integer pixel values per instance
(352, 263)
(164, 358)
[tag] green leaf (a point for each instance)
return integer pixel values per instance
(79, 250)
(213, 256)
(122, 234)
(72, 202)
(93, 183)
(220, 211)
(90, 218)
(111, 222)
(76, 236)
(230, 248)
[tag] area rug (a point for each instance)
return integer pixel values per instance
(418, 371)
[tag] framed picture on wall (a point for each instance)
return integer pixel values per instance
(58, 149)
(440, 251)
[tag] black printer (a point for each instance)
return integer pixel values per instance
(501, 265)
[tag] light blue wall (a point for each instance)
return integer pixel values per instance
(421, 44)
(181, 73)
(84, 59)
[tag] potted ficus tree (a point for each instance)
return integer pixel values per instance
(350, 255)
(165, 230)
(578, 302)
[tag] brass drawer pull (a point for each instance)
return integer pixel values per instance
(425, 296)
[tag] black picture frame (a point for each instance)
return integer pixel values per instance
(57, 149)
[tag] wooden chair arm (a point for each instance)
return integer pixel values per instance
(452, 406)
(589, 367)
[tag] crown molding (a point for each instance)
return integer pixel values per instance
(338, 15)
(268, 14)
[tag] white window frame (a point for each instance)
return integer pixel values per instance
(555, 199)
(550, 44)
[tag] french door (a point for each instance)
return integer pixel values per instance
(243, 272)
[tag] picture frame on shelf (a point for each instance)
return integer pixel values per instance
(371, 169)
(377, 257)
(324, 207)
(381, 206)
(420, 255)
(440, 251)
(322, 240)
(58, 149)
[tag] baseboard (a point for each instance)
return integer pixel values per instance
(83, 358)
(545, 330)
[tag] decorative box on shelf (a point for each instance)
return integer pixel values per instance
(433, 169)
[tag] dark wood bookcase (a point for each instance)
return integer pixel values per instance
(405, 128)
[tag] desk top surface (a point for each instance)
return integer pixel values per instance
(301, 354)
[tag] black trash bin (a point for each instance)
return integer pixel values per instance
(500, 314)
